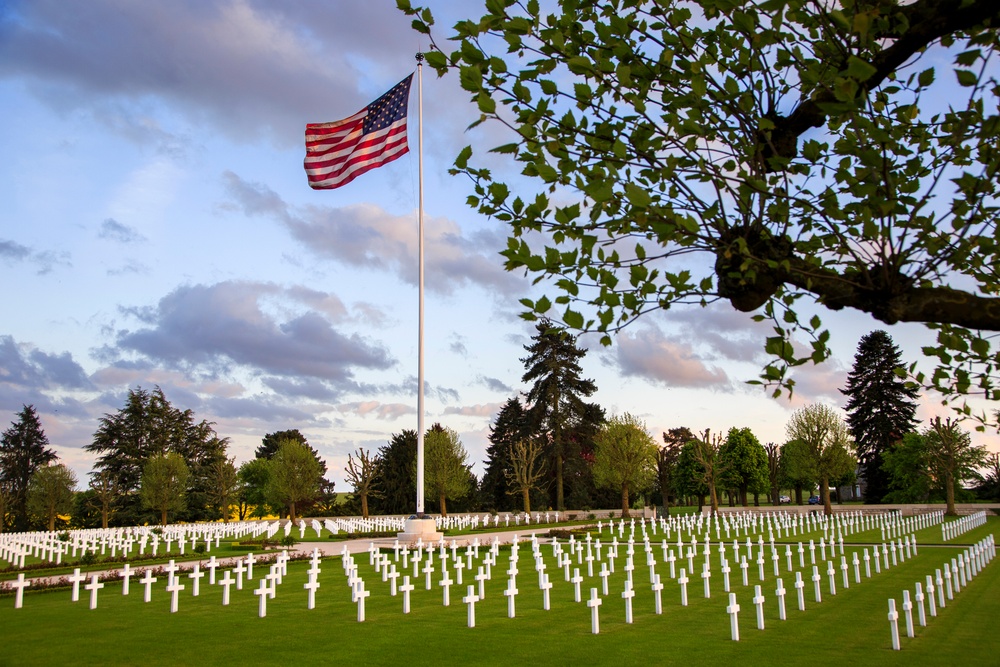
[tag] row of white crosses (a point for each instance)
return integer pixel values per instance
(174, 585)
(953, 529)
(962, 569)
(55, 546)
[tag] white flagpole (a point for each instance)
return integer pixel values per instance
(420, 287)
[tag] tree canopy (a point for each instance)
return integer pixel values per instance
(625, 456)
(844, 155)
(825, 446)
(50, 493)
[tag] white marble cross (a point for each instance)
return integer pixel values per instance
(406, 587)
(481, 578)
(20, 585)
(725, 575)
(627, 595)
(734, 611)
(683, 581)
(251, 559)
(595, 617)
(195, 576)
(816, 579)
(577, 579)
(657, 594)
(147, 580)
(127, 573)
(212, 565)
(706, 575)
(758, 601)
(445, 584)
(780, 592)
(76, 579)
(392, 575)
(908, 613)
(174, 588)
(511, 593)
(239, 570)
(832, 576)
(471, 599)
(93, 587)
(605, 573)
(360, 595)
(921, 613)
(743, 566)
(843, 570)
(311, 587)
(932, 603)
(226, 582)
(546, 586)
(894, 624)
(262, 593)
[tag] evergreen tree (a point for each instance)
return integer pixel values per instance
(556, 395)
(148, 426)
(23, 450)
(396, 460)
(880, 408)
(511, 426)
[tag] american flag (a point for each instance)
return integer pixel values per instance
(339, 152)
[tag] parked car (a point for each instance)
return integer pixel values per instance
(815, 500)
(784, 499)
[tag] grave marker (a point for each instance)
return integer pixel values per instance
(226, 582)
(734, 611)
(147, 580)
(758, 600)
(595, 618)
(470, 599)
(20, 585)
(93, 587)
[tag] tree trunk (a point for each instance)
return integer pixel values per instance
(743, 497)
(756, 499)
(701, 503)
(104, 518)
(825, 495)
(798, 494)
(949, 493)
(364, 505)
(52, 522)
(291, 512)
(526, 499)
(444, 506)
(559, 483)
(625, 512)
(715, 499)
(163, 517)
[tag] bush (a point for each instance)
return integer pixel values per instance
(63, 536)
(199, 548)
(88, 558)
(288, 541)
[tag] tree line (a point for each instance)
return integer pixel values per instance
(549, 448)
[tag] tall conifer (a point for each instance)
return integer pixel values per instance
(880, 408)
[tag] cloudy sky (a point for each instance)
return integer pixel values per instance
(157, 229)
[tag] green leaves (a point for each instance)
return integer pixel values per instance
(745, 153)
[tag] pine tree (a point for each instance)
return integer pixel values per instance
(23, 450)
(396, 459)
(511, 426)
(880, 408)
(556, 394)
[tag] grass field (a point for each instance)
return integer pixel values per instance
(848, 628)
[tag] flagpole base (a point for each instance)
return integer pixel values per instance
(420, 528)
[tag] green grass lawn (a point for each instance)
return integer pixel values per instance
(849, 628)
